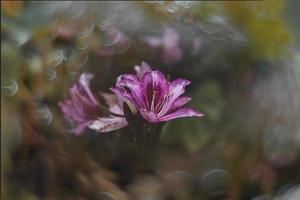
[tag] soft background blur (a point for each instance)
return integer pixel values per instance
(244, 62)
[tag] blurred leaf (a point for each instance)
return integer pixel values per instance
(193, 132)
(10, 62)
(206, 9)
(264, 24)
(186, 132)
(207, 98)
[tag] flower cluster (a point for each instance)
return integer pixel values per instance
(148, 92)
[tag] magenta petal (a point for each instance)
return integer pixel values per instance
(71, 112)
(182, 112)
(67, 109)
(128, 86)
(84, 82)
(129, 77)
(177, 86)
(114, 103)
(81, 127)
(81, 99)
(155, 78)
(118, 92)
(176, 89)
(85, 79)
(132, 90)
(123, 96)
(181, 101)
(154, 82)
(149, 116)
(107, 124)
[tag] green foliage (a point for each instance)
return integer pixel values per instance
(10, 62)
(263, 23)
(194, 132)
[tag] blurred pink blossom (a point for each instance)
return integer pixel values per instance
(83, 108)
(169, 42)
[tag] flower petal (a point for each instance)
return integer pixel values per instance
(149, 116)
(128, 77)
(141, 70)
(154, 88)
(81, 127)
(182, 112)
(81, 99)
(121, 95)
(176, 89)
(84, 86)
(67, 108)
(115, 105)
(181, 101)
(131, 89)
(107, 124)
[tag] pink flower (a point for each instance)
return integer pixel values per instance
(155, 98)
(84, 110)
(170, 43)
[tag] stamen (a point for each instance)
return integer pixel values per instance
(153, 100)
(163, 103)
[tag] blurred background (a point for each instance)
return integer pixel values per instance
(243, 60)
